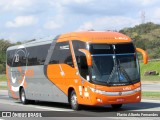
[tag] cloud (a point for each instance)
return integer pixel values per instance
(23, 7)
(22, 21)
(109, 23)
(146, 2)
(66, 2)
(108, 7)
(54, 22)
(86, 26)
(12, 36)
(64, 6)
(94, 7)
(8, 5)
(52, 25)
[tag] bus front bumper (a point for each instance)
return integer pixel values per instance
(116, 97)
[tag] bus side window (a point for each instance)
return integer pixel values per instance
(83, 67)
(19, 58)
(10, 57)
(62, 54)
(65, 53)
(69, 61)
(81, 58)
(37, 54)
(55, 55)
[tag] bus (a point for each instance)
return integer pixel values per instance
(80, 68)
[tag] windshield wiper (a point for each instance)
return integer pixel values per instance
(109, 79)
(124, 73)
(113, 71)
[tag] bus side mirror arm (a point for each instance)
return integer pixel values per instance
(144, 54)
(88, 56)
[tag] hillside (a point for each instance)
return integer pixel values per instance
(146, 36)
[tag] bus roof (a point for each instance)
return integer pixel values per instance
(36, 42)
(85, 36)
(96, 37)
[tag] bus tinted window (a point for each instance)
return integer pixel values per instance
(62, 54)
(19, 58)
(124, 48)
(16, 58)
(101, 49)
(30, 56)
(37, 54)
(108, 48)
(81, 58)
(10, 56)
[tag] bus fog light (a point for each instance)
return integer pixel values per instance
(99, 100)
(138, 97)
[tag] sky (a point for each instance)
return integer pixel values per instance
(22, 20)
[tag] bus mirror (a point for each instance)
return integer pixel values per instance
(144, 54)
(88, 56)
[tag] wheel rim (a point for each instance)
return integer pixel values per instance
(23, 97)
(74, 100)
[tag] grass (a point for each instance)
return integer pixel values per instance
(3, 88)
(153, 79)
(3, 77)
(150, 95)
(152, 65)
(155, 66)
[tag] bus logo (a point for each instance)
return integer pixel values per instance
(120, 93)
(16, 58)
(64, 47)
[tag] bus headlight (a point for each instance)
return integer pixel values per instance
(115, 93)
(137, 89)
(97, 91)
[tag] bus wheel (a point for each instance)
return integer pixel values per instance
(23, 97)
(73, 101)
(116, 106)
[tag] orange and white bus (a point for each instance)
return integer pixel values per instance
(81, 68)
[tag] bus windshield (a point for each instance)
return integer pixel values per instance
(114, 64)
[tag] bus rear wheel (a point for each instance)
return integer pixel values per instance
(73, 101)
(23, 97)
(116, 106)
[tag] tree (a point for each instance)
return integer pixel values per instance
(4, 44)
(146, 36)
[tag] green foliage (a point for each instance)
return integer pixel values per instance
(2, 68)
(4, 44)
(147, 37)
(3, 78)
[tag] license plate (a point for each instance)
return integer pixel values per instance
(120, 99)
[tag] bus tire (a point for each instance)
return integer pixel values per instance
(116, 106)
(73, 101)
(23, 97)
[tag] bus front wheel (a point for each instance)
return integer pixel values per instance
(73, 101)
(116, 106)
(23, 97)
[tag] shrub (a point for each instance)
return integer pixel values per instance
(2, 69)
